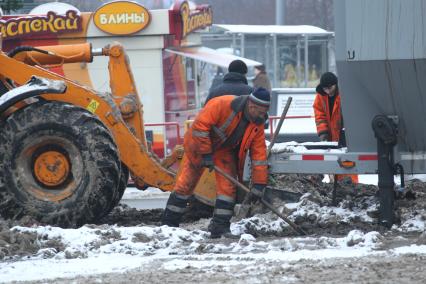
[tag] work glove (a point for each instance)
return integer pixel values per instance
(207, 162)
(324, 137)
(257, 191)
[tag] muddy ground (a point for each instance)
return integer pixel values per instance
(315, 196)
(402, 269)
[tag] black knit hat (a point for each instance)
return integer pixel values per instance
(328, 79)
(238, 66)
(260, 96)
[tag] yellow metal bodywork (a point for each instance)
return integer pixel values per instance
(205, 190)
(121, 112)
(128, 133)
(60, 54)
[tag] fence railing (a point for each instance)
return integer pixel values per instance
(272, 119)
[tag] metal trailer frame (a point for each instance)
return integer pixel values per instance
(330, 161)
(323, 162)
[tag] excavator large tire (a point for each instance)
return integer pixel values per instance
(122, 185)
(124, 179)
(59, 165)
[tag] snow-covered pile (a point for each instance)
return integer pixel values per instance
(311, 216)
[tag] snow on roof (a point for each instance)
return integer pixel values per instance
(274, 29)
(211, 56)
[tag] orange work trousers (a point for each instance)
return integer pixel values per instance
(191, 171)
(354, 178)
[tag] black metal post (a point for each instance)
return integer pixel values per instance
(386, 183)
(385, 132)
(334, 196)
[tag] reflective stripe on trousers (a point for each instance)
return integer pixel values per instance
(177, 203)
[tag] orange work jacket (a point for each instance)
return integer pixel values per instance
(215, 123)
(324, 122)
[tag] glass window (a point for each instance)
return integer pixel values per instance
(291, 68)
(288, 75)
(179, 82)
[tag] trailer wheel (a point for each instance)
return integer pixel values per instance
(59, 164)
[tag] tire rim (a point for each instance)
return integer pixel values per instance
(51, 168)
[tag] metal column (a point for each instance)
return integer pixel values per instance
(234, 44)
(306, 61)
(276, 62)
(298, 62)
(279, 12)
(243, 45)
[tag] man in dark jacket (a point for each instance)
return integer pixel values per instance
(234, 83)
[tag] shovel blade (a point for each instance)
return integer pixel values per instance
(241, 211)
(277, 195)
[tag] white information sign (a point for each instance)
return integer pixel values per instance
(301, 104)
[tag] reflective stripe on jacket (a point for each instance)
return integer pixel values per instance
(326, 124)
(215, 123)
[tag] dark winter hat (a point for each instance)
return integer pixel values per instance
(261, 68)
(260, 96)
(238, 66)
(328, 79)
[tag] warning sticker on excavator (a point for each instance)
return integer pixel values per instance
(93, 106)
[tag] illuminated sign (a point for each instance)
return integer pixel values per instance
(52, 24)
(121, 18)
(194, 20)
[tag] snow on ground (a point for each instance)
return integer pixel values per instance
(346, 231)
(97, 249)
(92, 251)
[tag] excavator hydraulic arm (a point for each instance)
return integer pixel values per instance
(120, 112)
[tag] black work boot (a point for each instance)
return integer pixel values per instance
(220, 223)
(176, 206)
(218, 229)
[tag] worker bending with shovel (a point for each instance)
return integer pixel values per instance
(220, 136)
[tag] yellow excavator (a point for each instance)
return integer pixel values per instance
(67, 150)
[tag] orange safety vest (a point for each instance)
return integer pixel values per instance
(215, 123)
(325, 123)
(331, 125)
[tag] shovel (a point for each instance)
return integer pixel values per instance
(280, 123)
(245, 205)
(267, 204)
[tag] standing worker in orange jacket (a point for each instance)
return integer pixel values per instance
(221, 134)
(328, 113)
